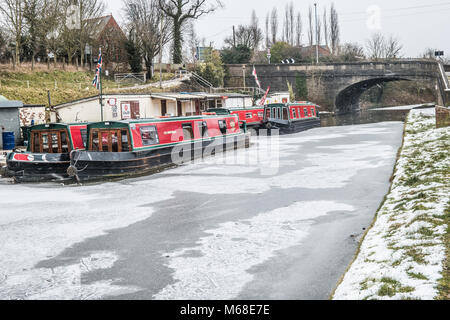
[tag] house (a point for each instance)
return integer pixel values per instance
(9, 118)
(310, 51)
(133, 106)
(107, 34)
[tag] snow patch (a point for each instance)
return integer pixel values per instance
(232, 249)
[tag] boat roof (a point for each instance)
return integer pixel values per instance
(56, 125)
(158, 120)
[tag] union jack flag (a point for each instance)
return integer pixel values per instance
(96, 81)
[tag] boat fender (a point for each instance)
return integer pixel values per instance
(72, 171)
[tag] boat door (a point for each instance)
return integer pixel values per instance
(50, 141)
(110, 140)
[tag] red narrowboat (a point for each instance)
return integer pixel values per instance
(292, 117)
(139, 147)
(48, 153)
(253, 117)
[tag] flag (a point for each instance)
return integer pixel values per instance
(98, 71)
(263, 101)
(256, 77)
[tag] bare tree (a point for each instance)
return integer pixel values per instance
(180, 12)
(257, 34)
(351, 52)
(375, 46)
(291, 23)
(319, 31)
(246, 36)
(89, 11)
(326, 32)
(35, 27)
(268, 31)
(298, 30)
(12, 12)
(392, 48)
(193, 42)
(286, 24)
(145, 19)
(274, 24)
(311, 27)
(429, 53)
(334, 30)
(51, 19)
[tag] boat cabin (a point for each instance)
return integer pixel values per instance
(57, 138)
(252, 116)
(145, 134)
(290, 112)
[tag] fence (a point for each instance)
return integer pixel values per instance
(130, 77)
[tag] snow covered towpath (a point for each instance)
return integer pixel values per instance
(403, 255)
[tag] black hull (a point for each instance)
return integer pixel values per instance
(293, 127)
(53, 170)
(100, 166)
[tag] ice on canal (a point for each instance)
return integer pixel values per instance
(215, 229)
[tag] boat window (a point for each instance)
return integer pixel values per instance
(203, 128)
(305, 111)
(188, 132)
(105, 141)
(115, 141)
(36, 147)
(285, 114)
(249, 116)
(95, 141)
(149, 136)
(83, 133)
(125, 141)
(294, 114)
(313, 112)
(268, 113)
(64, 143)
(223, 126)
(45, 146)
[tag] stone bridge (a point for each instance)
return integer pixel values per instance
(338, 86)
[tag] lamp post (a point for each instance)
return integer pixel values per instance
(269, 55)
(243, 74)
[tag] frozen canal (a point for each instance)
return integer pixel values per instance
(233, 228)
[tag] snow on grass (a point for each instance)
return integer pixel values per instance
(402, 255)
(221, 269)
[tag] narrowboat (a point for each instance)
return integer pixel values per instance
(292, 117)
(128, 148)
(48, 153)
(253, 117)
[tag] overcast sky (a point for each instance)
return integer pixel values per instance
(419, 24)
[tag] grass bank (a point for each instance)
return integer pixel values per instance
(405, 255)
(31, 87)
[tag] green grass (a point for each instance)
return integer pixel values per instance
(391, 287)
(32, 87)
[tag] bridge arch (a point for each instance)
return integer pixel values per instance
(348, 99)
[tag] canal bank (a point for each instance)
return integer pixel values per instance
(405, 253)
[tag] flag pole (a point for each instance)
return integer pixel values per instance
(101, 86)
